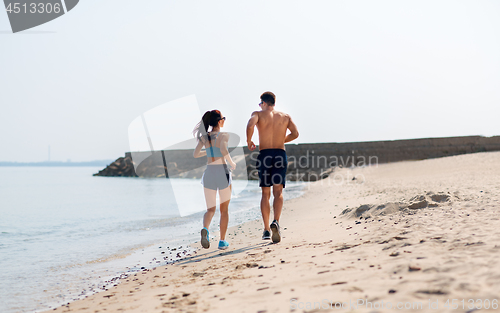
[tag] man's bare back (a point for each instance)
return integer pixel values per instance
(272, 126)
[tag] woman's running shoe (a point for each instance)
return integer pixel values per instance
(205, 242)
(223, 245)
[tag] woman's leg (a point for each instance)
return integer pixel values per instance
(224, 195)
(210, 199)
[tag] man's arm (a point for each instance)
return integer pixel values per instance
(225, 151)
(250, 128)
(294, 133)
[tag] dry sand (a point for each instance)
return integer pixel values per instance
(399, 233)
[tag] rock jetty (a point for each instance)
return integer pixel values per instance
(306, 162)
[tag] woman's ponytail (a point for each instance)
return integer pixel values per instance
(210, 118)
(202, 127)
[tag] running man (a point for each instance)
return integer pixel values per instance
(272, 161)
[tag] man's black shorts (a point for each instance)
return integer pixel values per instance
(272, 165)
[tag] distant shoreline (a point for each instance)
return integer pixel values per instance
(57, 163)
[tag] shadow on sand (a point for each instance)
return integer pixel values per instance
(220, 253)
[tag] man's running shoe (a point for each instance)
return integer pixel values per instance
(266, 235)
(275, 228)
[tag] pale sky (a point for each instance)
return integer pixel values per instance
(345, 70)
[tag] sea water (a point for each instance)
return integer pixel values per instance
(65, 233)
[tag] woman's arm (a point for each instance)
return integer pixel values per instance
(197, 151)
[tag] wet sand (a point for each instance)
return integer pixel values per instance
(399, 234)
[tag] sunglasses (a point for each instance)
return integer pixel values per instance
(224, 118)
(260, 103)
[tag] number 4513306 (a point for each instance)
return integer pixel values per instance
(34, 8)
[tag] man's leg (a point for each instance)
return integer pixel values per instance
(278, 179)
(265, 207)
(278, 201)
(277, 205)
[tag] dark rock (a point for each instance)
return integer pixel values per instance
(304, 165)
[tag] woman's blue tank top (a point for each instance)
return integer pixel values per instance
(213, 151)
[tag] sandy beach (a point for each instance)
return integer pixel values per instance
(410, 235)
